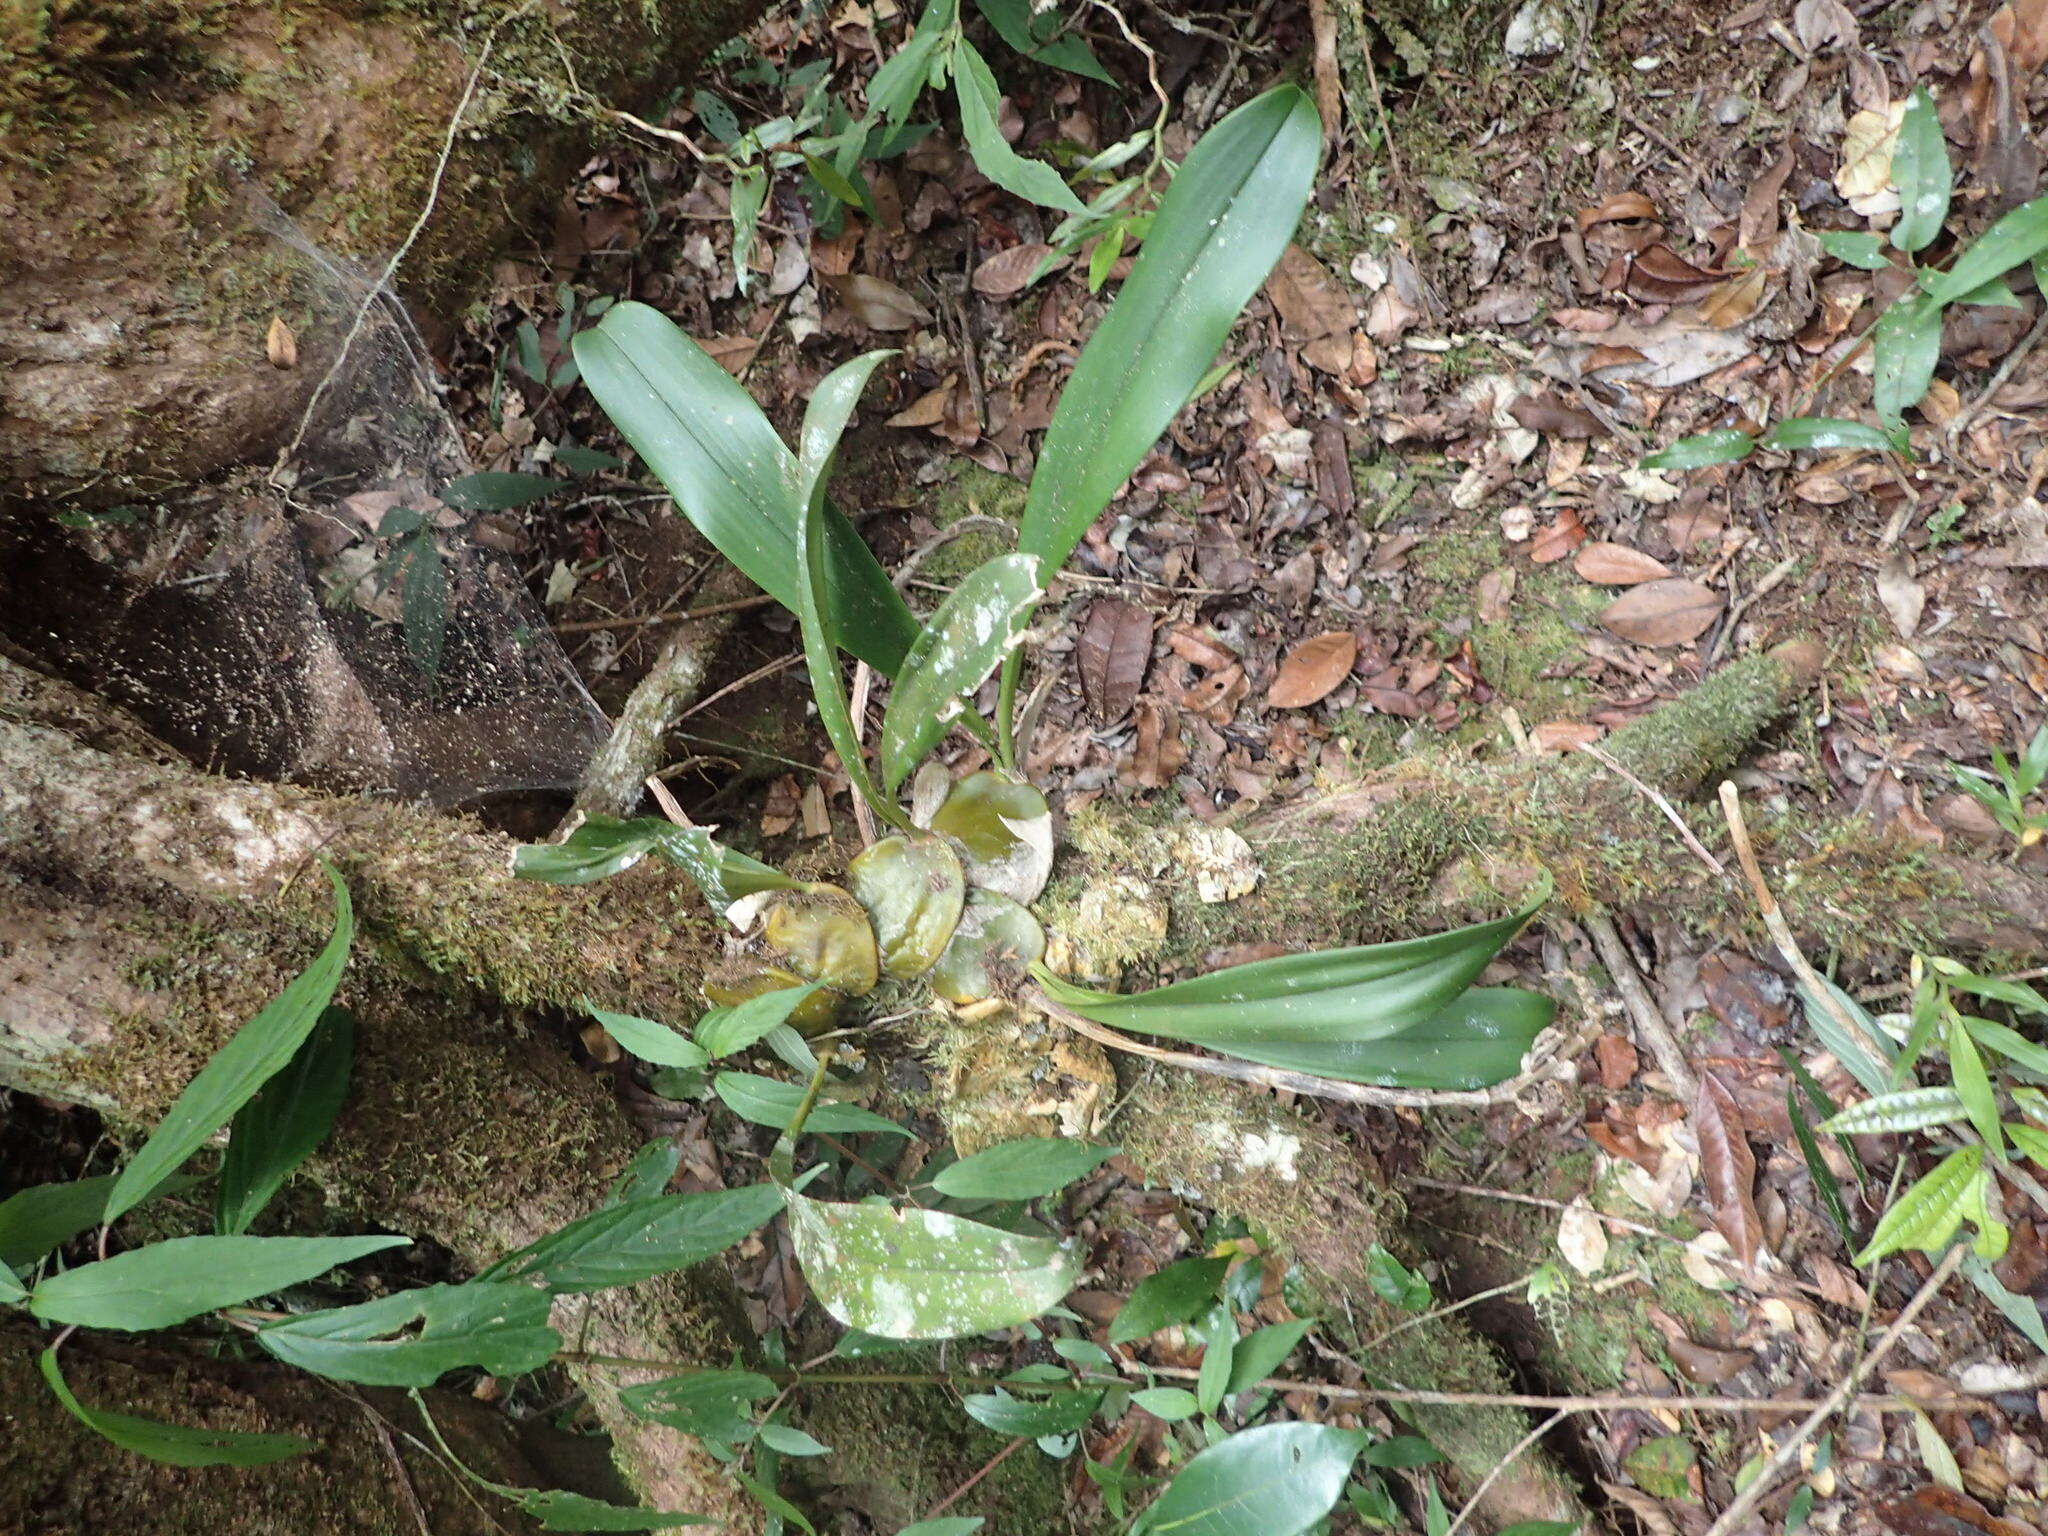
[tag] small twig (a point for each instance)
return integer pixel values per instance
(766, 669)
(1642, 1008)
(1657, 799)
(1786, 1453)
(671, 135)
(1505, 1462)
(737, 605)
(987, 1467)
(1379, 108)
(2018, 355)
(1274, 1077)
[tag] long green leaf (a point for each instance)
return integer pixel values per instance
(1222, 225)
(163, 1284)
(1036, 35)
(1908, 1109)
(11, 1288)
(1724, 445)
(1275, 1480)
(980, 622)
(724, 1031)
(1905, 344)
(766, 1101)
(1824, 1182)
(2009, 1043)
(2018, 237)
(649, 1039)
(290, 1116)
(414, 1338)
(711, 1404)
(1364, 993)
(1926, 1215)
(914, 1274)
(174, 1444)
(603, 846)
(980, 99)
(638, 1239)
(231, 1078)
(1478, 1040)
(35, 1220)
(1021, 1170)
(1973, 1085)
(729, 473)
(1060, 1413)
(1168, 1296)
(1825, 432)
(1920, 171)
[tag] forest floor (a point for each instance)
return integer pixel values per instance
(1411, 518)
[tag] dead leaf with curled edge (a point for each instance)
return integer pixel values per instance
(1728, 1169)
(1310, 303)
(1616, 565)
(1009, 272)
(280, 346)
(879, 304)
(1673, 611)
(1622, 206)
(1313, 669)
(1112, 653)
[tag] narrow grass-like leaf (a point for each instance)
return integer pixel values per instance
(2015, 239)
(1221, 226)
(729, 473)
(913, 1274)
(1973, 1085)
(2030, 1139)
(415, 1337)
(1021, 1170)
(11, 1288)
(604, 845)
(175, 1444)
(1722, 446)
(723, 1031)
(649, 1040)
(1168, 1296)
(1844, 1047)
(557, 1509)
(163, 1284)
(1275, 1480)
(252, 1055)
(498, 491)
(980, 621)
(289, 1117)
(2000, 989)
(1920, 171)
(980, 99)
(1217, 1332)
(766, 1101)
(1823, 1105)
(1927, 1215)
(1825, 432)
(638, 1239)
(1824, 1181)
(1060, 1413)
(1908, 1109)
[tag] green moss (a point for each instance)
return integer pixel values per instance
(978, 493)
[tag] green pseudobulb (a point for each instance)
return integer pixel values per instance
(913, 890)
(994, 947)
(736, 981)
(1004, 829)
(825, 936)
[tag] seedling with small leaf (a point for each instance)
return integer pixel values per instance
(2005, 791)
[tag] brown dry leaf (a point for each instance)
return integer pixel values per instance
(1757, 224)
(1563, 535)
(1546, 413)
(1659, 613)
(1616, 565)
(280, 345)
(1904, 598)
(1565, 735)
(732, 353)
(1623, 205)
(1008, 272)
(1308, 298)
(1618, 1062)
(879, 304)
(2022, 28)
(928, 409)
(1661, 275)
(1937, 1511)
(1496, 595)
(1733, 301)
(1312, 669)
(1159, 752)
(1112, 652)
(1190, 644)
(1727, 1169)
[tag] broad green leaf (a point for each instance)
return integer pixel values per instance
(723, 1031)
(648, 1173)
(2015, 239)
(1541, 1528)
(559, 1510)
(2030, 1139)
(1993, 1235)
(1021, 1170)
(1402, 1451)
(1973, 1085)
(2018, 1310)
(731, 475)
(1724, 445)
(1479, 1040)
(1365, 993)
(1844, 1047)
(1996, 294)
(638, 1239)
(824, 420)
(586, 461)
(979, 623)
(1223, 223)
(176, 1444)
(1905, 345)
(788, 1441)
(2000, 989)
(1275, 1480)
(1825, 432)
(36, 1220)
(774, 1503)
(423, 609)
(1920, 171)
(712, 1404)
(980, 104)
(1082, 1352)
(1168, 1296)
(1036, 34)
(1909, 1109)
(497, 491)
(1218, 1334)
(11, 1288)
(414, 1338)
(749, 195)
(1394, 1282)
(1260, 1353)
(1662, 1466)
(1926, 1215)
(766, 1101)
(648, 1040)
(165, 1283)
(252, 1055)
(603, 845)
(894, 88)
(1169, 1403)
(290, 1116)
(1058, 1413)
(1854, 247)
(912, 1274)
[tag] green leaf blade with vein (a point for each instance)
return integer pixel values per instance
(708, 443)
(177, 1445)
(1920, 172)
(165, 1283)
(232, 1076)
(36, 1220)
(559, 1510)
(1035, 34)
(1825, 432)
(974, 87)
(289, 1117)
(1021, 1170)
(11, 1288)
(1167, 1296)
(979, 623)
(498, 490)
(1275, 1480)
(2015, 239)
(1059, 1413)
(1905, 345)
(914, 1274)
(1973, 1085)
(766, 1101)
(649, 1039)
(414, 1338)
(639, 1239)
(1221, 226)
(723, 1031)
(1479, 1040)
(1927, 1215)
(1723, 446)
(602, 846)
(1907, 1109)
